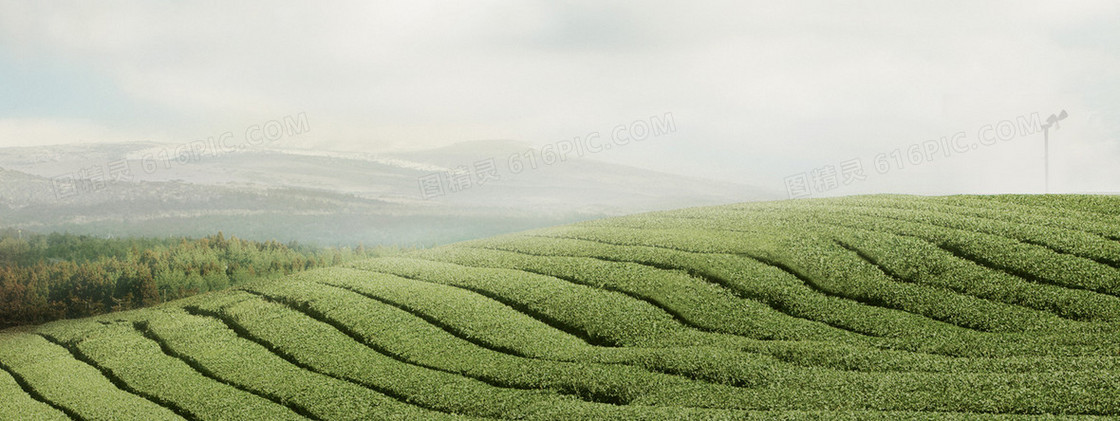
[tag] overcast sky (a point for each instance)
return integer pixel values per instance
(759, 91)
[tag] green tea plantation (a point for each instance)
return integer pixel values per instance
(874, 307)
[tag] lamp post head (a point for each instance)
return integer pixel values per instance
(1054, 119)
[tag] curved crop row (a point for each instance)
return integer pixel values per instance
(883, 307)
(305, 338)
(53, 373)
(1037, 231)
(987, 392)
(17, 401)
(818, 259)
(212, 348)
(145, 367)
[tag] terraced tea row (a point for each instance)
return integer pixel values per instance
(881, 307)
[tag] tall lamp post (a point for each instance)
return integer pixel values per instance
(1050, 121)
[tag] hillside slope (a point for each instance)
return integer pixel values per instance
(882, 307)
(328, 197)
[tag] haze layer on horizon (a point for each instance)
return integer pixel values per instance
(932, 98)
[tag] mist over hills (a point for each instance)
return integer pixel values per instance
(467, 190)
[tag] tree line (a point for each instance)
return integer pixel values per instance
(57, 276)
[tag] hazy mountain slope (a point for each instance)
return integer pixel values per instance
(252, 211)
(322, 196)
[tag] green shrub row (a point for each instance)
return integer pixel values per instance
(694, 300)
(1072, 241)
(782, 290)
(497, 326)
(1071, 303)
(920, 261)
(52, 372)
(983, 392)
(1032, 262)
(318, 344)
(819, 262)
(596, 315)
(17, 403)
(412, 339)
(145, 367)
(211, 347)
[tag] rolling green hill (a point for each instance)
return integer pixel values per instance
(882, 307)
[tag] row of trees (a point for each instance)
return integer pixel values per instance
(56, 276)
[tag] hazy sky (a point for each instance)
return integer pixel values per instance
(759, 91)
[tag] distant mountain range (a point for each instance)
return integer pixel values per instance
(463, 191)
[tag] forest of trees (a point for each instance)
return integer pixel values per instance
(57, 276)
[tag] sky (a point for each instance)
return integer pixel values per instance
(786, 95)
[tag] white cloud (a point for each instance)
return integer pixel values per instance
(775, 87)
(53, 131)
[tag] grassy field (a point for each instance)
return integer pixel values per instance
(876, 307)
